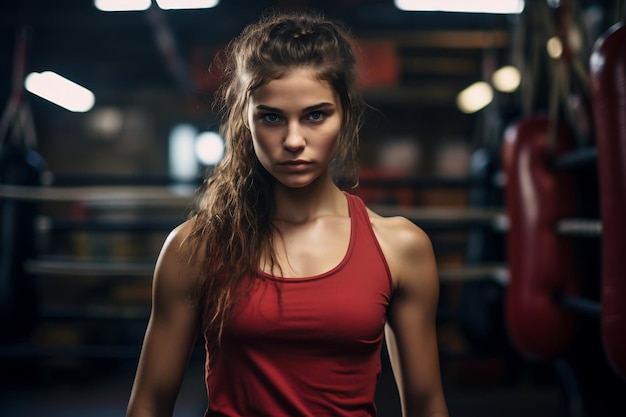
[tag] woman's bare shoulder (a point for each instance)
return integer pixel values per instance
(407, 249)
(178, 263)
(398, 232)
(181, 240)
(173, 246)
(180, 233)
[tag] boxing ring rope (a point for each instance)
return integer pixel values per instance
(142, 268)
(577, 304)
(115, 196)
(157, 192)
(497, 273)
(110, 197)
(79, 351)
(579, 227)
(101, 194)
(47, 224)
(420, 182)
(77, 267)
(91, 312)
(438, 217)
(576, 158)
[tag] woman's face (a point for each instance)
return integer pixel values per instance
(295, 122)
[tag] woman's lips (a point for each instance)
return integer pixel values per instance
(295, 165)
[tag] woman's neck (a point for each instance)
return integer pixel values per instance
(300, 205)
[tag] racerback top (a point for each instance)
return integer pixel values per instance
(307, 347)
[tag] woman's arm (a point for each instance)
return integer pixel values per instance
(410, 331)
(170, 335)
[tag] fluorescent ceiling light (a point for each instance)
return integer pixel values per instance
(466, 6)
(474, 97)
(183, 164)
(554, 47)
(122, 5)
(186, 4)
(60, 91)
(209, 148)
(506, 79)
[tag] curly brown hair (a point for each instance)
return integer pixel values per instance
(231, 227)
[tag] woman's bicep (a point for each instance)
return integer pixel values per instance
(411, 333)
(170, 336)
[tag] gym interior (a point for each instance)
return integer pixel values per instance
(501, 133)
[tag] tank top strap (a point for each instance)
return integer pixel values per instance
(357, 207)
(361, 221)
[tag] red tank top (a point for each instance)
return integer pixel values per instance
(312, 348)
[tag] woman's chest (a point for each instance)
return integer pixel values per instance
(331, 310)
(310, 249)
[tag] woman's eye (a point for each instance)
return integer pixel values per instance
(271, 118)
(316, 115)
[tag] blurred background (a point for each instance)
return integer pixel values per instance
(95, 171)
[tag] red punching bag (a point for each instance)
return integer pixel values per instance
(540, 262)
(608, 91)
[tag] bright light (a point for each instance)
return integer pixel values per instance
(105, 122)
(183, 164)
(186, 4)
(466, 6)
(554, 47)
(60, 91)
(596, 61)
(474, 97)
(122, 5)
(209, 148)
(506, 79)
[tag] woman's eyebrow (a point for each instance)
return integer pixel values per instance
(314, 107)
(317, 107)
(268, 108)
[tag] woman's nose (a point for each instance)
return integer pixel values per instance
(294, 140)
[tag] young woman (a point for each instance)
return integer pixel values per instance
(292, 282)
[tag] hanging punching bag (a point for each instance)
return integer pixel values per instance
(540, 262)
(608, 93)
(18, 295)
